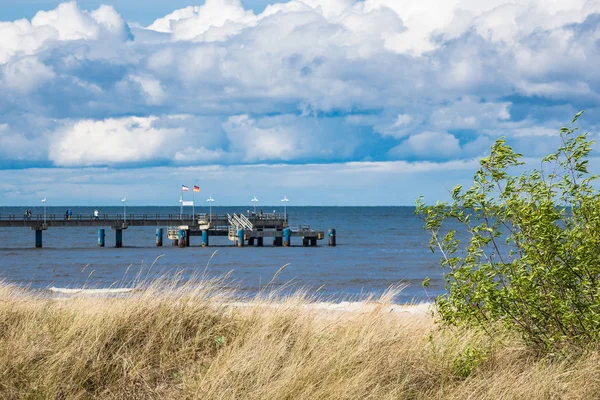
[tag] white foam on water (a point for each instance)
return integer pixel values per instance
(90, 291)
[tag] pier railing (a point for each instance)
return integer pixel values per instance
(102, 217)
(248, 219)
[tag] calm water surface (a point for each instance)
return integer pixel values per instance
(377, 247)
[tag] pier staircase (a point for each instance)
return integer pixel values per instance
(237, 222)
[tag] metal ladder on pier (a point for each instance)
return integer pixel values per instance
(237, 222)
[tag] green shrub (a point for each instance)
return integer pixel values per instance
(524, 250)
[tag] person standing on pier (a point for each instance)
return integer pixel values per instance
(96, 215)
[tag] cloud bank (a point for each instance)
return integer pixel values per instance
(303, 82)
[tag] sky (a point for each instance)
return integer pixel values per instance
(327, 102)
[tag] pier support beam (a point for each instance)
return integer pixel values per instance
(287, 237)
(159, 237)
(205, 238)
(119, 238)
(187, 238)
(38, 238)
(181, 238)
(313, 242)
(332, 237)
(240, 240)
(278, 240)
(259, 240)
(251, 241)
(101, 237)
(305, 242)
(175, 242)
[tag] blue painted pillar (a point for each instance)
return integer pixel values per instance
(205, 238)
(119, 238)
(101, 236)
(332, 237)
(287, 237)
(240, 241)
(38, 238)
(181, 238)
(159, 237)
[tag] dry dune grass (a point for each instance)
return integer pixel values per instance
(198, 343)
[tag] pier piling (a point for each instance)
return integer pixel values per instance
(332, 237)
(287, 237)
(278, 240)
(181, 238)
(259, 240)
(159, 237)
(205, 238)
(101, 237)
(38, 238)
(119, 238)
(240, 238)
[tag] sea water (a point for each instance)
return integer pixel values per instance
(377, 247)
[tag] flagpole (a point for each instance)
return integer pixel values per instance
(193, 201)
(181, 204)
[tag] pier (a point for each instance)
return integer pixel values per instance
(242, 230)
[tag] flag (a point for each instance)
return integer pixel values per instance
(184, 188)
(196, 188)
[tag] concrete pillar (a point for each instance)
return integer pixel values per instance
(305, 242)
(287, 237)
(250, 241)
(205, 238)
(187, 238)
(331, 235)
(101, 236)
(175, 242)
(313, 242)
(119, 238)
(38, 238)
(240, 240)
(159, 237)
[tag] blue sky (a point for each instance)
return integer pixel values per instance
(328, 102)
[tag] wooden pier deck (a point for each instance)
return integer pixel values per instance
(241, 229)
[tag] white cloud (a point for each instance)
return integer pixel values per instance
(470, 113)
(304, 81)
(151, 88)
(311, 184)
(112, 141)
(65, 23)
(25, 74)
(429, 145)
(227, 16)
(283, 138)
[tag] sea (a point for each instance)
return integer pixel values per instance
(378, 248)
